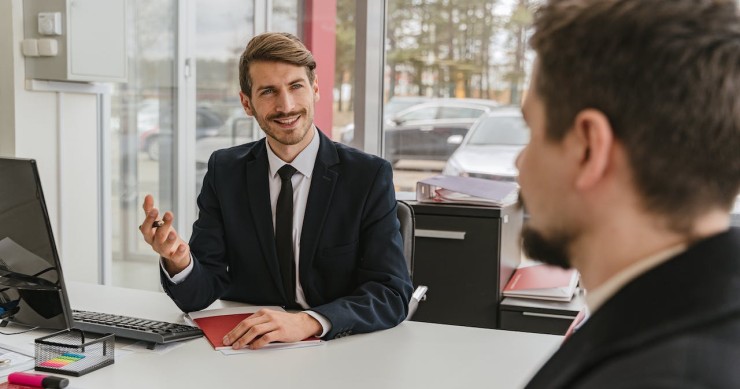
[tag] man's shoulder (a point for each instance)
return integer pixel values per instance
(704, 357)
(238, 152)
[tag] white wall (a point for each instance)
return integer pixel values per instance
(60, 131)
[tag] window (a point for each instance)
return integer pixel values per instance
(453, 52)
(143, 118)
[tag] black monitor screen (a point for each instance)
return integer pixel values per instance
(31, 282)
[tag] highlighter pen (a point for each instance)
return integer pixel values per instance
(38, 380)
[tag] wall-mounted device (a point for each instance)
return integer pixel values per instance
(75, 40)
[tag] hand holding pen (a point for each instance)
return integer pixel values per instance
(163, 238)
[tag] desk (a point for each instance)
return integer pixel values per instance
(412, 355)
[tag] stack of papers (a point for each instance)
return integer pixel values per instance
(466, 190)
(542, 282)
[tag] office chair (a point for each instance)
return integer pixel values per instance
(406, 217)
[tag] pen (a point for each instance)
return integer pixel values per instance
(37, 380)
(158, 223)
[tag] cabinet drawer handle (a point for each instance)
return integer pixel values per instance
(457, 235)
(548, 315)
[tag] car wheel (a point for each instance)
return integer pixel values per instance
(152, 149)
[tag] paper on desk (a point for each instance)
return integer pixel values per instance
(273, 346)
(16, 360)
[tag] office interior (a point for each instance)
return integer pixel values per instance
(116, 99)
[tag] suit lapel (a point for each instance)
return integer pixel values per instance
(323, 181)
(258, 193)
(654, 305)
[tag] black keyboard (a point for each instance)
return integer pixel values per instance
(151, 331)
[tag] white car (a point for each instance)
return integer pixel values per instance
(489, 150)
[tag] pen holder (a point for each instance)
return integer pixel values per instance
(72, 352)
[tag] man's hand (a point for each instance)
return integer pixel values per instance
(164, 239)
(267, 326)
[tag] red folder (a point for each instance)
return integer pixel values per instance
(216, 327)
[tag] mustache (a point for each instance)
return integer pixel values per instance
(286, 114)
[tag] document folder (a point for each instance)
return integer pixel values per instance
(466, 190)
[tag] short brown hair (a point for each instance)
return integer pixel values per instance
(667, 76)
(278, 47)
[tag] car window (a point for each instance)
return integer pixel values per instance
(459, 113)
(426, 113)
(500, 130)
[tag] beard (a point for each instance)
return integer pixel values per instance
(552, 250)
(549, 250)
(288, 139)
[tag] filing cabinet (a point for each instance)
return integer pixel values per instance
(541, 316)
(465, 255)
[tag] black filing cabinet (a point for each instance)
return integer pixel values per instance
(465, 255)
(545, 317)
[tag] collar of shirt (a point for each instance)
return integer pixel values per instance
(595, 298)
(303, 162)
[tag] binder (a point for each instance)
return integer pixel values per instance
(466, 190)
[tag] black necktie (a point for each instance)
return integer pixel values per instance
(284, 232)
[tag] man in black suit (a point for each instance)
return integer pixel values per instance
(293, 219)
(632, 168)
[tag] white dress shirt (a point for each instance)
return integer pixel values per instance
(301, 181)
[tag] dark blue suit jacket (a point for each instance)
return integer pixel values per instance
(351, 266)
(676, 326)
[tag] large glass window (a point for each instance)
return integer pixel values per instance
(223, 29)
(143, 120)
(467, 57)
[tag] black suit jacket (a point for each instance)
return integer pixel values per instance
(676, 326)
(351, 264)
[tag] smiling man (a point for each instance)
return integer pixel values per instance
(294, 219)
(632, 168)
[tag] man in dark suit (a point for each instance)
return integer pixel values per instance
(293, 219)
(632, 168)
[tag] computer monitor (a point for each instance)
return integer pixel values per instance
(32, 290)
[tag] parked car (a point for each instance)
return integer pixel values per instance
(433, 130)
(393, 106)
(151, 131)
(491, 147)
(237, 129)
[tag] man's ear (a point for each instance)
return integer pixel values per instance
(246, 103)
(593, 133)
(316, 88)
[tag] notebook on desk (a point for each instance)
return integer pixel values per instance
(32, 289)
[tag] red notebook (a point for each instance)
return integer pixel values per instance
(217, 323)
(542, 282)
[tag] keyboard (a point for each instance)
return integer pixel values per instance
(151, 331)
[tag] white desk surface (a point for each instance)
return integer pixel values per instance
(412, 355)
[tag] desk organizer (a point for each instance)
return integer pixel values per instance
(72, 352)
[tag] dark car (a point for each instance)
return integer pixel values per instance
(392, 107)
(491, 147)
(207, 123)
(433, 130)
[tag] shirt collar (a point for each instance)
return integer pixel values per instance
(595, 298)
(303, 163)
